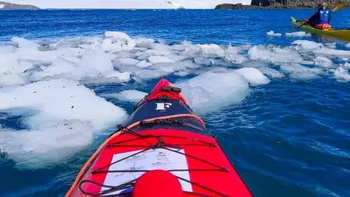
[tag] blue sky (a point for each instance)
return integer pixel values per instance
(124, 3)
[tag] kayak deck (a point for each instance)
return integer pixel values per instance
(343, 35)
(195, 160)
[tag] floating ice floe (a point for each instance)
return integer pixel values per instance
(118, 58)
(342, 73)
(204, 95)
(40, 148)
(272, 33)
(298, 34)
(331, 45)
(333, 52)
(61, 117)
(274, 54)
(306, 44)
(159, 59)
(297, 71)
(128, 95)
(116, 41)
(253, 76)
(232, 55)
(270, 72)
(211, 49)
(324, 62)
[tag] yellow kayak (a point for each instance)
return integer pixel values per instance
(343, 35)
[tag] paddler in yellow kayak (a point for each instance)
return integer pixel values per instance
(322, 18)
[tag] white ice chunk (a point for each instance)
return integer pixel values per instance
(144, 42)
(126, 61)
(211, 91)
(324, 62)
(271, 72)
(123, 54)
(121, 76)
(116, 41)
(118, 35)
(128, 95)
(233, 56)
(298, 34)
(202, 61)
(159, 59)
(347, 65)
(177, 66)
(182, 73)
(39, 148)
(177, 58)
(61, 117)
(59, 69)
(342, 74)
(12, 80)
(57, 100)
(232, 50)
(7, 49)
(331, 45)
(306, 44)
(95, 63)
(274, 55)
(212, 49)
(178, 47)
(236, 59)
(333, 52)
(144, 64)
(149, 74)
(152, 52)
(9, 63)
(28, 50)
(160, 47)
(253, 76)
(298, 71)
(24, 43)
(272, 33)
(108, 45)
(255, 64)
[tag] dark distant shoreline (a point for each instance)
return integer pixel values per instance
(256, 4)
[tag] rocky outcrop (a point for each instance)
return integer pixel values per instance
(12, 6)
(228, 6)
(261, 2)
(280, 4)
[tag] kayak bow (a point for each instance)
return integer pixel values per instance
(162, 149)
(343, 35)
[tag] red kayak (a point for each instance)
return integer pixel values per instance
(162, 149)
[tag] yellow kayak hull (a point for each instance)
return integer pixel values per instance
(343, 35)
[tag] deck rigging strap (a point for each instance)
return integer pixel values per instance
(160, 144)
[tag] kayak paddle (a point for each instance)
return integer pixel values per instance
(339, 7)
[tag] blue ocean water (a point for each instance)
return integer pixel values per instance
(290, 137)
